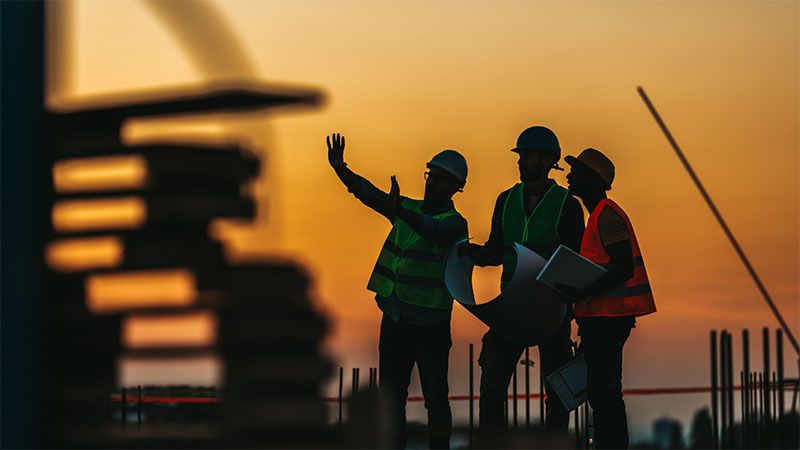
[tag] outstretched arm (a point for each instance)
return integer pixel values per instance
(359, 186)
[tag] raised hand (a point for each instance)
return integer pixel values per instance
(394, 196)
(336, 151)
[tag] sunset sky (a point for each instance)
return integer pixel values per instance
(404, 80)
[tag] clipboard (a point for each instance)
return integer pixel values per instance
(569, 268)
(569, 382)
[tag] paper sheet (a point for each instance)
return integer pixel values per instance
(526, 312)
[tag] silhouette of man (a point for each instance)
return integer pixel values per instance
(408, 285)
(606, 309)
(539, 214)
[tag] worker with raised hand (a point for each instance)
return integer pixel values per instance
(539, 214)
(606, 310)
(409, 286)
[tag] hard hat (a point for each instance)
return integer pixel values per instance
(452, 162)
(596, 161)
(538, 138)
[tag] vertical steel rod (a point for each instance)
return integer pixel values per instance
(761, 417)
(506, 416)
(714, 409)
(471, 395)
(779, 367)
(541, 391)
(341, 386)
(514, 394)
(576, 419)
(766, 368)
(723, 384)
(124, 408)
(731, 416)
(743, 392)
(139, 406)
(745, 386)
(527, 388)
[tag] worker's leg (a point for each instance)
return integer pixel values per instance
(396, 362)
(433, 352)
(554, 353)
(497, 360)
(602, 346)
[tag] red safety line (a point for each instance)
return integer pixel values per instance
(634, 391)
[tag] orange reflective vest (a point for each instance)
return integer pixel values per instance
(634, 298)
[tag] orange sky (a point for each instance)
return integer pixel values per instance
(407, 79)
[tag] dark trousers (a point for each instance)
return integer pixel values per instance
(400, 347)
(602, 339)
(498, 360)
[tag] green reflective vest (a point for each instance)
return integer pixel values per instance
(538, 232)
(412, 265)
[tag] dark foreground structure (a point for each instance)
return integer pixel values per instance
(80, 258)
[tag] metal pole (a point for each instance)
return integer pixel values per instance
(767, 415)
(576, 419)
(775, 416)
(714, 409)
(358, 378)
(779, 366)
(541, 391)
(745, 386)
(762, 429)
(586, 425)
(742, 393)
(514, 394)
(723, 383)
(471, 396)
(341, 386)
(731, 416)
(139, 407)
(721, 221)
(527, 388)
(124, 408)
(506, 416)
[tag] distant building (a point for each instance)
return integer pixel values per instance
(701, 433)
(668, 433)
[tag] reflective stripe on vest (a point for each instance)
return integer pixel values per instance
(411, 265)
(538, 231)
(635, 297)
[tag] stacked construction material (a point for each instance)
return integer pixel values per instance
(130, 249)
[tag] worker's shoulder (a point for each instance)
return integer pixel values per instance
(501, 197)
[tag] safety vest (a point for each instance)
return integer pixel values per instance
(634, 298)
(412, 265)
(538, 231)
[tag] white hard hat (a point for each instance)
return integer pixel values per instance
(452, 162)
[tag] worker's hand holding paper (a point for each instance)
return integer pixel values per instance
(529, 310)
(526, 312)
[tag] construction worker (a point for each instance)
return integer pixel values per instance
(409, 288)
(606, 310)
(539, 214)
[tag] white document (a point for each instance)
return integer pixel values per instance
(526, 312)
(569, 268)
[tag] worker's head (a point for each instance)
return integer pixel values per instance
(590, 173)
(446, 175)
(538, 151)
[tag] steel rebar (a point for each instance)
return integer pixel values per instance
(714, 387)
(471, 396)
(527, 388)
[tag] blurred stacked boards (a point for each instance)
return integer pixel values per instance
(129, 244)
